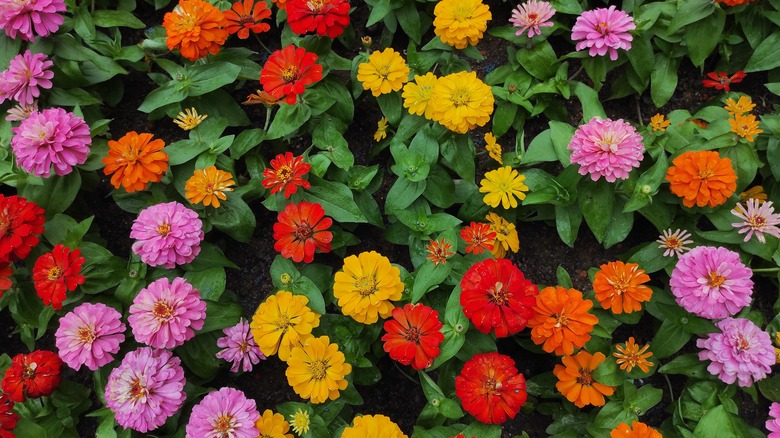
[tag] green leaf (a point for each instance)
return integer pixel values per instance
(304, 286)
(210, 283)
(567, 223)
(328, 137)
(234, 218)
(246, 141)
(540, 60)
(206, 78)
(482, 430)
(199, 354)
(106, 18)
(663, 79)
(540, 150)
(596, 200)
(766, 56)
(689, 12)
(288, 119)
(379, 11)
(718, 422)
(428, 277)
(440, 188)
(56, 194)
(168, 93)
(458, 153)
(687, 364)
(669, 339)
(391, 107)
(699, 36)
(403, 193)
(409, 19)
(335, 198)
(589, 98)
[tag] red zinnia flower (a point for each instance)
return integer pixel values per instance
(490, 388)
(496, 295)
(288, 71)
(326, 17)
(246, 16)
(285, 174)
(300, 230)
(32, 375)
(5, 277)
(721, 80)
(8, 417)
(20, 223)
(413, 335)
(478, 238)
(56, 271)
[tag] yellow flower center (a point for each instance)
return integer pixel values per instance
(602, 27)
(225, 426)
(498, 294)
(284, 174)
(620, 283)
(706, 173)
(164, 229)
(383, 71)
(462, 13)
(743, 344)
(315, 6)
(28, 371)
(365, 285)
(55, 273)
(673, 242)
(318, 369)
(290, 73)
(186, 21)
(491, 386)
(86, 335)
(560, 320)
(137, 390)
(460, 97)
(715, 280)
(162, 311)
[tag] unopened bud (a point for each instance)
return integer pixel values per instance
(366, 40)
(646, 189)
(286, 279)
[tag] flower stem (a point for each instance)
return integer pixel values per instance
(268, 111)
(261, 43)
(769, 270)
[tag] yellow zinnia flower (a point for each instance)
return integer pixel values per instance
(745, 126)
(756, 192)
(742, 106)
(366, 285)
(272, 425)
(381, 129)
(189, 119)
(493, 148)
(460, 23)
(316, 370)
(282, 321)
(208, 186)
(417, 94)
(659, 122)
(506, 235)
(501, 186)
(300, 421)
(461, 101)
(384, 72)
(373, 426)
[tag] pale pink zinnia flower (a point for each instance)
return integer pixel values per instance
(26, 73)
(31, 17)
(165, 314)
(51, 137)
(90, 335)
(239, 347)
(773, 422)
(603, 147)
(146, 389)
(711, 282)
(603, 30)
(225, 413)
(674, 242)
(17, 113)
(741, 352)
(168, 234)
(757, 218)
(532, 15)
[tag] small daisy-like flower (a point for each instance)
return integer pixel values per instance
(19, 112)
(755, 192)
(189, 119)
(632, 356)
(460, 23)
(603, 31)
(226, 413)
(493, 148)
(506, 235)
(239, 347)
(532, 15)
(300, 421)
(417, 94)
(722, 80)
(659, 122)
(741, 106)
(286, 174)
(90, 335)
(745, 126)
(674, 242)
(757, 218)
(208, 186)
(502, 186)
(247, 15)
(381, 130)
(478, 237)
(22, 79)
(384, 72)
(439, 252)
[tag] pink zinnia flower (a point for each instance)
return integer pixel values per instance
(757, 218)
(603, 30)
(90, 335)
(168, 234)
(773, 423)
(603, 147)
(224, 413)
(532, 15)
(165, 314)
(674, 242)
(146, 389)
(711, 282)
(26, 73)
(51, 137)
(239, 347)
(17, 113)
(30, 17)
(741, 352)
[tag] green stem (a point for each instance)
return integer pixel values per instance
(762, 270)
(268, 111)
(261, 43)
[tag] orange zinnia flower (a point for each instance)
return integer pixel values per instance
(637, 430)
(632, 356)
(196, 28)
(562, 322)
(208, 186)
(246, 16)
(619, 286)
(439, 252)
(300, 230)
(288, 71)
(575, 379)
(135, 160)
(286, 174)
(478, 237)
(702, 178)
(745, 126)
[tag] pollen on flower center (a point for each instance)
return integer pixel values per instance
(164, 229)
(620, 283)
(283, 323)
(162, 311)
(284, 174)
(303, 232)
(499, 294)
(29, 370)
(460, 97)
(226, 425)
(715, 280)
(315, 6)
(706, 173)
(55, 273)
(743, 344)
(86, 335)
(318, 369)
(137, 390)
(492, 386)
(602, 27)
(365, 285)
(560, 320)
(585, 378)
(289, 74)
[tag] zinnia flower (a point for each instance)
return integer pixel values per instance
(562, 321)
(659, 122)
(51, 137)
(741, 106)
(247, 15)
(32, 375)
(608, 148)
(5, 277)
(711, 282)
(286, 174)
(31, 18)
(478, 237)
(165, 314)
(366, 285)
(316, 370)
(287, 72)
(239, 347)
(326, 17)
(741, 352)
(417, 94)
(17, 113)
(506, 235)
(461, 101)
(632, 356)
(734, 2)
(90, 335)
(282, 321)
(8, 417)
(146, 389)
(603, 30)
(495, 295)
(773, 422)
(576, 382)
(196, 28)
(722, 80)
(493, 148)
(702, 178)
(189, 119)
(413, 335)
(636, 430)
(439, 252)
(757, 218)
(620, 287)
(381, 130)
(300, 230)
(26, 73)
(168, 234)
(384, 72)
(502, 186)
(273, 425)
(135, 160)
(300, 421)
(460, 23)
(745, 126)
(208, 186)
(674, 242)
(532, 15)
(55, 273)
(21, 221)
(755, 192)
(490, 388)
(373, 426)
(225, 413)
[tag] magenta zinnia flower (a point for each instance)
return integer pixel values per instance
(603, 147)
(168, 234)
(532, 15)
(145, 389)
(773, 423)
(31, 17)
(239, 347)
(711, 282)
(26, 73)
(741, 352)
(19, 112)
(165, 314)
(603, 30)
(51, 137)
(224, 413)
(757, 218)
(90, 335)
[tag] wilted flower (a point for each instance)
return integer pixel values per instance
(189, 119)
(722, 80)
(493, 148)
(381, 130)
(17, 113)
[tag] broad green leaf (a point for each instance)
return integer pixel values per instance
(540, 60)
(288, 119)
(689, 12)
(335, 198)
(428, 277)
(234, 218)
(56, 194)
(107, 18)
(766, 56)
(205, 78)
(663, 79)
(699, 36)
(596, 200)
